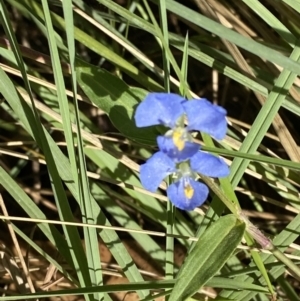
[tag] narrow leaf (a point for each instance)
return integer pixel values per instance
(208, 256)
(116, 99)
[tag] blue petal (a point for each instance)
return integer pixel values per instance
(177, 195)
(209, 165)
(167, 146)
(205, 117)
(155, 170)
(159, 108)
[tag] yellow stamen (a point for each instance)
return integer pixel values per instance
(177, 139)
(188, 191)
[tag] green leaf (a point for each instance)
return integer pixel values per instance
(232, 36)
(116, 99)
(208, 256)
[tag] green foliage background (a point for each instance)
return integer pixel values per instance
(71, 76)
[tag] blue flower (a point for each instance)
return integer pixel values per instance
(170, 110)
(206, 117)
(185, 192)
(159, 108)
(179, 156)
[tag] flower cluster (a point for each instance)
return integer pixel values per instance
(178, 154)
